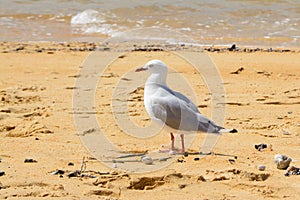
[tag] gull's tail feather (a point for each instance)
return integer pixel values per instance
(224, 130)
(211, 127)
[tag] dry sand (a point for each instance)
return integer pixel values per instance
(36, 121)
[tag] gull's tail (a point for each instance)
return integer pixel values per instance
(213, 128)
(220, 129)
(224, 130)
(208, 126)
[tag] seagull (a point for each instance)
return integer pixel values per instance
(172, 108)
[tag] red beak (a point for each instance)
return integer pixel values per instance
(140, 69)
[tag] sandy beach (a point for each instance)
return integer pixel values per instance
(37, 123)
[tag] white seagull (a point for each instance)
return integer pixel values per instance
(173, 108)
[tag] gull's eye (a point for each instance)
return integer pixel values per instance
(150, 66)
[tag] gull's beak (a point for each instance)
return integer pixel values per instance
(141, 69)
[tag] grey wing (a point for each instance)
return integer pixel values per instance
(175, 113)
(204, 124)
(188, 102)
(179, 112)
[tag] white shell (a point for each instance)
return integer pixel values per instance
(278, 158)
(147, 160)
(282, 161)
(261, 167)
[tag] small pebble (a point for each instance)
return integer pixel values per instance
(196, 159)
(114, 165)
(201, 178)
(2, 173)
(29, 160)
(113, 173)
(233, 47)
(58, 172)
(181, 186)
(260, 147)
(232, 161)
(282, 161)
(70, 164)
(233, 131)
(186, 154)
(147, 160)
(261, 167)
(74, 174)
(163, 159)
(293, 171)
(180, 160)
(172, 152)
(286, 133)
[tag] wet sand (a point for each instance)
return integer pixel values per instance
(36, 121)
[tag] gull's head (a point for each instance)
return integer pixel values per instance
(154, 67)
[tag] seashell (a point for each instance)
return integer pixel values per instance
(59, 171)
(293, 171)
(147, 160)
(261, 147)
(261, 167)
(2, 173)
(76, 173)
(282, 161)
(29, 160)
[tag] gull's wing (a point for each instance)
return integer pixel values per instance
(174, 114)
(178, 112)
(187, 101)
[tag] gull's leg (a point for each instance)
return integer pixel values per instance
(172, 141)
(172, 148)
(182, 143)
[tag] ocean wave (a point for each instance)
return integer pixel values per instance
(87, 17)
(209, 23)
(93, 22)
(7, 21)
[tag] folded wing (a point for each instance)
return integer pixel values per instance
(179, 112)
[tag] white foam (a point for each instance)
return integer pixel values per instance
(87, 17)
(7, 21)
(104, 29)
(91, 21)
(184, 29)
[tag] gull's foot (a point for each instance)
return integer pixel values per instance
(171, 151)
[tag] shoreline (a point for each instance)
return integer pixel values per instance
(38, 47)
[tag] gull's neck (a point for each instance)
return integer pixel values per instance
(157, 78)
